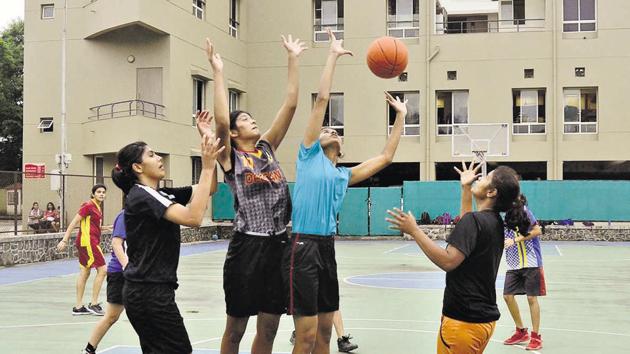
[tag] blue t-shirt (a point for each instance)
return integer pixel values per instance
(114, 265)
(319, 191)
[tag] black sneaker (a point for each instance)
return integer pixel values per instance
(96, 309)
(344, 344)
(292, 339)
(80, 311)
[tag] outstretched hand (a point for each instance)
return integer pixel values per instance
(468, 174)
(210, 149)
(203, 120)
(396, 103)
(214, 58)
(293, 47)
(402, 221)
(336, 45)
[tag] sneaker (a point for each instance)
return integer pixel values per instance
(519, 336)
(96, 309)
(535, 343)
(292, 339)
(345, 345)
(80, 311)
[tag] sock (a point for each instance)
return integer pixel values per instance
(90, 349)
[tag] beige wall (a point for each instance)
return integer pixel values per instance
(165, 34)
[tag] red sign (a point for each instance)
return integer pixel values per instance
(34, 170)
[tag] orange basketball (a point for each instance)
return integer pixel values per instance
(387, 57)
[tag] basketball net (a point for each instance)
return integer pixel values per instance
(481, 158)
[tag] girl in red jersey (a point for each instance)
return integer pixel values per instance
(87, 243)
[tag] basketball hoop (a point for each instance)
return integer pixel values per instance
(481, 141)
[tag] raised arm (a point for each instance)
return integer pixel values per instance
(192, 215)
(316, 119)
(467, 176)
(281, 123)
(447, 258)
(370, 167)
(221, 108)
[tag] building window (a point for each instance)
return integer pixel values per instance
(528, 73)
(451, 75)
(48, 11)
(403, 18)
(412, 119)
(328, 15)
(580, 72)
(198, 8)
(234, 18)
(199, 97)
(99, 170)
(45, 125)
(580, 110)
(528, 111)
(452, 108)
(333, 117)
(579, 16)
(234, 99)
(513, 10)
(196, 169)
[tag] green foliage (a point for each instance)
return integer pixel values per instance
(11, 95)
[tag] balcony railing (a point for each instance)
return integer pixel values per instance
(490, 26)
(403, 29)
(127, 109)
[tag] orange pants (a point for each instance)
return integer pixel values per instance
(458, 337)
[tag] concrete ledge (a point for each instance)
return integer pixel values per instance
(42, 247)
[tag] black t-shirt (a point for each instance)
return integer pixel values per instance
(470, 293)
(152, 241)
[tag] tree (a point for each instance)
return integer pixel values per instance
(11, 95)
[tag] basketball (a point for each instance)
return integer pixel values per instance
(387, 57)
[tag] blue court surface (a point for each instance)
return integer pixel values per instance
(391, 300)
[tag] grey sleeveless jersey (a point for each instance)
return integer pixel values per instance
(261, 195)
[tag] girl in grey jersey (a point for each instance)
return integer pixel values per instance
(252, 278)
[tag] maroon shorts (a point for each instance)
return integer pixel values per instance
(526, 281)
(91, 256)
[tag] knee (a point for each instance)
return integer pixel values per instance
(268, 332)
(235, 335)
(307, 339)
(111, 319)
(533, 300)
(324, 334)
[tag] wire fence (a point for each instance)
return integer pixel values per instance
(43, 202)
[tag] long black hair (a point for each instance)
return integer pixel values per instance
(123, 175)
(509, 200)
(233, 117)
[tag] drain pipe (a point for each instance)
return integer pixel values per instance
(429, 136)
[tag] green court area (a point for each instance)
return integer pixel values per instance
(390, 299)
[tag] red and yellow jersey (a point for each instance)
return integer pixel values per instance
(90, 228)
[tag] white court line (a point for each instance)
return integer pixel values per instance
(395, 249)
(49, 325)
(38, 279)
(559, 252)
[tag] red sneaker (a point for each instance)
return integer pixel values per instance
(535, 343)
(519, 336)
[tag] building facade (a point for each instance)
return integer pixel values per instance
(554, 71)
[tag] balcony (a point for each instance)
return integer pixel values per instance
(104, 16)
(490, 26)
(127, 109)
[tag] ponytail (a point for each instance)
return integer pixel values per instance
(509, 200)
(516, 217)
(122, 174)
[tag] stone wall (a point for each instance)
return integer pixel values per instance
(42, 247)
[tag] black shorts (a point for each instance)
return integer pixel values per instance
(115, 282)
(526, 281)
(152, 311)
(310, 275)
(252, 275)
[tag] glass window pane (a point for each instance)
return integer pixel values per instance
(444, 108)
(329, 12)
(587, 10)
(445, 130)
(391, 8)
(571, 108)
(519, 10)
(404, 10)
(537, 129)
(336, 110)
(529, 106)
(570, 10)
(587, 27)
(571, 128)
(413, 108)
(397, 33)
(588, 103)
(412, 131)
(412, 33)
(570, 27)
(589, 128)
(506, 11)
(521, 129)
(460, 107)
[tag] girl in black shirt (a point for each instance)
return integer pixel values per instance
(471, 259)
(152, 218)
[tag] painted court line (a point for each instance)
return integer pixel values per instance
(558, 250)
(396, 249)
